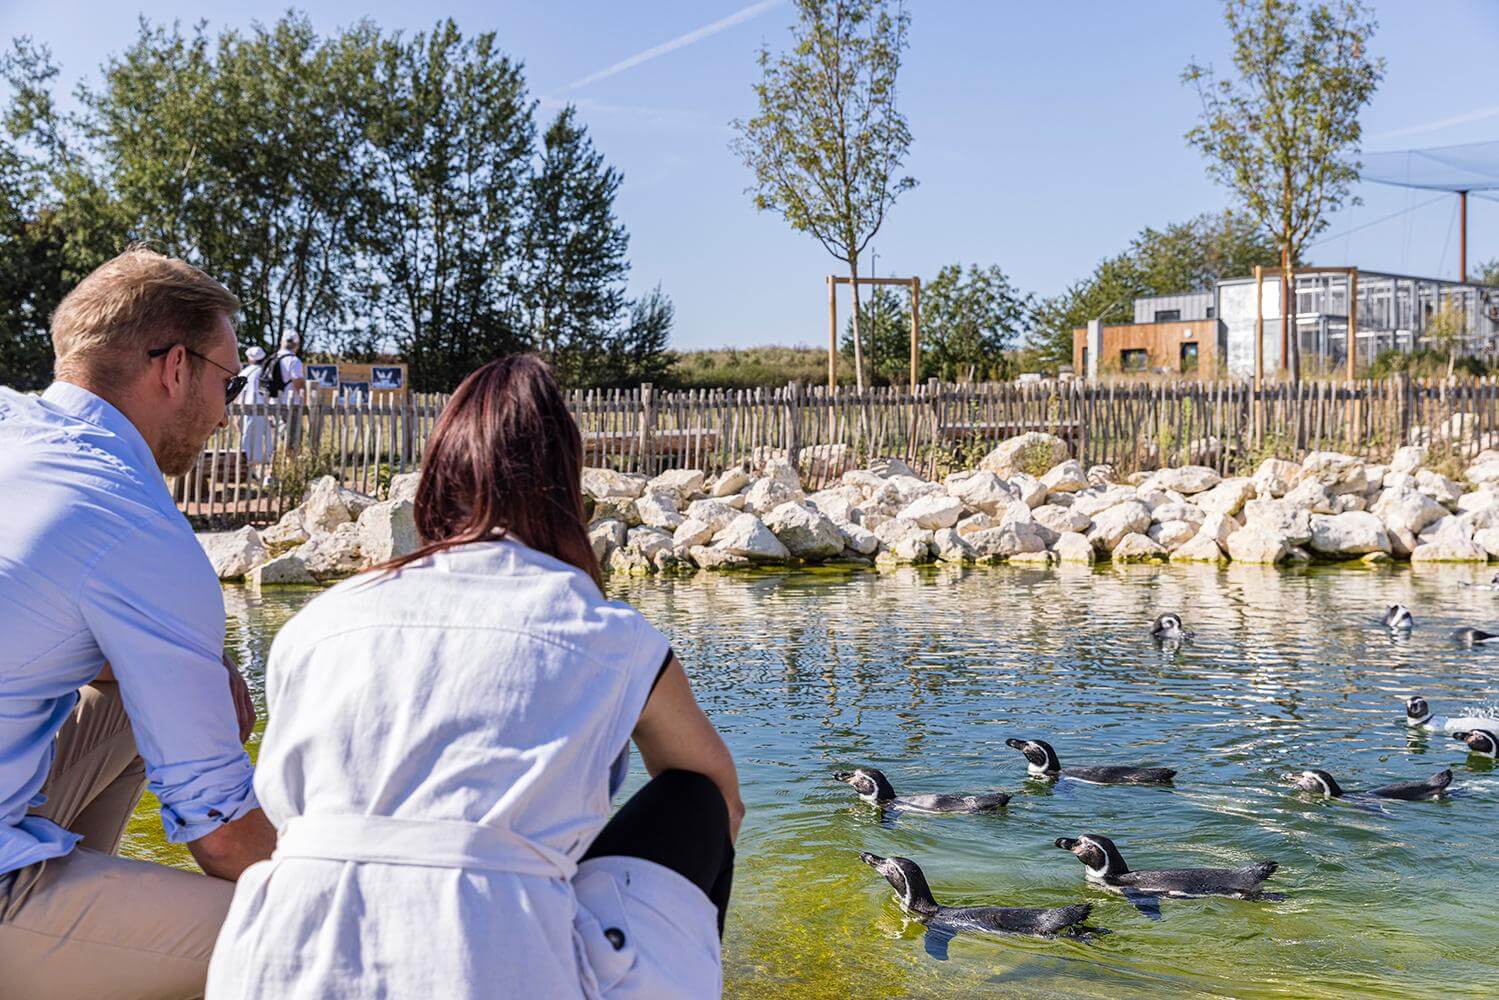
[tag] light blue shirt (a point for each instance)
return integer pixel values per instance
(96, 564)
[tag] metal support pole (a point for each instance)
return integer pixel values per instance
(1462, 236)
(1352, 323)
(1259, 346)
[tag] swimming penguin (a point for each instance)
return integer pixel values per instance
(1473, 636)
(1481, 742)
(873, 786)
(1399, 618)
(1105, 866)
(1491, 585)
(1169, 626)
(942, 922)
(1041, 760)
(1322, 783)
(1418, 716)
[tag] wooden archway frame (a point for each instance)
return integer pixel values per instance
(834, 280)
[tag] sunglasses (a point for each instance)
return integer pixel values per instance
(232, 388)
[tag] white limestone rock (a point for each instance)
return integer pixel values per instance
(1437, 486)
(1252, 544)
(1488, 540)
(1275, 477)
(286, 568)
(1312, 496)
(285, 533)
(1172, 535)
(404, 486)
(1059, 519)
(333, 554)
(1029, 489)
(1408, 459)
(996, 544)
(691, 533)
(769, 493)
(649, 542)
(714, 513)
(1280, 517)
(606, 536)
(976, 522)
(712, 557)
(1342, 536)
(807, 533)
(1340, 473)
(1406, 512)
(327, 505)
(659, 510)
(858, 539)
(1072, 547)
(1135, 547)
(949, 546)
(1183, 511)
(1094, 501)
(602, 484)
(1066, 477)
(730, 482)
(387, 531)
(233, 554)
(1200, 548)
(748, 536)
(982, 491)
(616, 509)
(934, 511)
(1186, 480)
(1032, 452)
(1110, 526)
(1228, 497)
(680, 482)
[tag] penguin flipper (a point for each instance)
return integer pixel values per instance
(936, 940)
(1145, 902)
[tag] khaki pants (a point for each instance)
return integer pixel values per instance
(92, 926)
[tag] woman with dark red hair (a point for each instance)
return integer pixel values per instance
(446, 733)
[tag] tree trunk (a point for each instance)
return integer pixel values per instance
(1288, 314)
(853, 274)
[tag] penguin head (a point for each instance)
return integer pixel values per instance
(1481, 742)
(1040, 757)
(869, 783)
(906, 878)
(1417, 711)
(1318, 782)
(1097, 853)
(1169, 626)
(1398, 616)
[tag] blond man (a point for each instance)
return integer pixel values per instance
(112, 673)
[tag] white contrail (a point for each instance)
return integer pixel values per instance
(1477, 115)
(681, 41)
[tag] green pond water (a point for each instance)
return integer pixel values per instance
(924, 673)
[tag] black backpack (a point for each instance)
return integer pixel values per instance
(274, 379)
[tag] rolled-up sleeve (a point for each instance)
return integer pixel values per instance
(155, 608)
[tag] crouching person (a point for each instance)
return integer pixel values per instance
(96, 565)
(445, 737)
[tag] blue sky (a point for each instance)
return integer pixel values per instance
(1046, 134)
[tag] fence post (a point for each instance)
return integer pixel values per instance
(791, 415)
(647, 428)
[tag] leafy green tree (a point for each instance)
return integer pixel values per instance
(31, 273)
(1487, 273)
(1182, 257)
(636, 351)
(449, 140)
(827, 144)
(969, 321)
(1284, 136)
(884, 321)
(574, 252)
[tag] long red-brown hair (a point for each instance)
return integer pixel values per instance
(506, 458)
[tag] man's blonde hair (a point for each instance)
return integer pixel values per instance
(139, 301)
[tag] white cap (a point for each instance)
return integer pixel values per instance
(291, 340)
(256, 354)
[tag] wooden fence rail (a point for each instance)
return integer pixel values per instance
(935, 428)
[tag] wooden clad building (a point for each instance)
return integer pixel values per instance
(1187, 348)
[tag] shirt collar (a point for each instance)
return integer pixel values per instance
(77, 401)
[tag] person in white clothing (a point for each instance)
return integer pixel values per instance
(288, 376)
(446, 735)
(256, 437)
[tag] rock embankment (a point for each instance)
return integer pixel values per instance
(1027, 502)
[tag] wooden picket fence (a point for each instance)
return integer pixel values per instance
(935, 428)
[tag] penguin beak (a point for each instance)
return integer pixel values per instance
(1015, 744)
(1462, 737)
(842, 776)
(1066, 843)
(872, 860)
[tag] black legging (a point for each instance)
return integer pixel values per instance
(679, 820)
